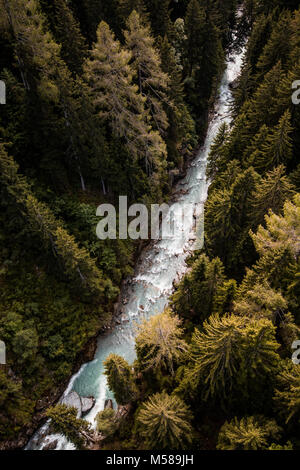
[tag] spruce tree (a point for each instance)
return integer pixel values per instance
(77, 263)
(120, 379)
(230, 353)
(278, 46)
(181, 131)
(164, 422)
(215, 155)
(194, 27)
(64, 421)
(278, 146)
(287, 394)
(271, 194)
(249, 433)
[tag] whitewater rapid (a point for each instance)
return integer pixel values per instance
(160, 265)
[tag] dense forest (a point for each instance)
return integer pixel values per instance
(111, 98)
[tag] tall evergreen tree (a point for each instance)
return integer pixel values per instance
(250, 433)
(164, 422)
(118, 102)
(120, 379)
(152, 81)
(159, 342)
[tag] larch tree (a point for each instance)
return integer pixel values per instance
(159, 342)
(153, 83)
(118, 102)
(164, 422)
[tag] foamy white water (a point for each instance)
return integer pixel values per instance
(159, 266)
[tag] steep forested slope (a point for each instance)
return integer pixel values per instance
(215, 370)
(102, 101)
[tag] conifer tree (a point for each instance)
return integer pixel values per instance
(278, 146)
(76, 261)
(159, 342)
(250, 433)
(215, 154)
(271, 194)
(152, 81)
(159, 16)
(230, 350)
(287, 394)
(164, 422)
(181, 131)
(194, 27)
(282, 233)
(67, 32)
(64, 421)
(120, 379)
(278, 46)
(126, 7)
(196, 294)
(118, 102)
(49, 83)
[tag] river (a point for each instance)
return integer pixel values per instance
(162, 263)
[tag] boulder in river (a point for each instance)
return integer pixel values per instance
(73, 401)
(87, 403)
(82, 404)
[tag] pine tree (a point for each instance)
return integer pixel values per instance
(159, 342)
(64, 421)
(118, 102)
(164, 422)
(152, 81)
(250, 433)
(120, 379)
